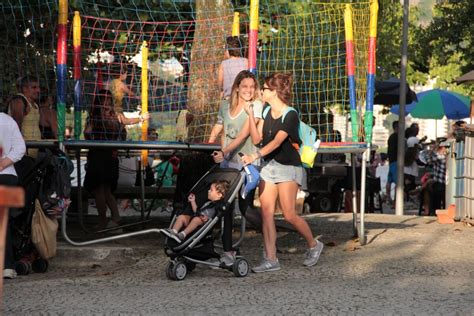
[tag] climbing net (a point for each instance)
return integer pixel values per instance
(185, 49)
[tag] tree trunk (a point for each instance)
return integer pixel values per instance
(213, 25)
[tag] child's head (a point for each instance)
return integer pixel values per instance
(234, 46)
(218, 190)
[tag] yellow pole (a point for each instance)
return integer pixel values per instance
(144, 97)
(236, 25)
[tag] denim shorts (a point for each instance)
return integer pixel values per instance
(274, 172)
(392, 173)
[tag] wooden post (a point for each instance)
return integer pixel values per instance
(9, 197)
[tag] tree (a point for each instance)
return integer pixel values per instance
(213, 24)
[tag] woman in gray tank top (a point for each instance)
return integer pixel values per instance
(233, 125)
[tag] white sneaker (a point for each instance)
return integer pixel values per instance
(267, 266)
(312, 254)
(9, 274)
(228, 258)
(168, 232)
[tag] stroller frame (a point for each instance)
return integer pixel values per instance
(181, 255)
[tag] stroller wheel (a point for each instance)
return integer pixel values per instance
(240, 267)
(179, 271)
(190, 266)
(40, 265)
(23, 267)
(169, 270)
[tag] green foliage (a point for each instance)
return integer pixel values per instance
(452, 31)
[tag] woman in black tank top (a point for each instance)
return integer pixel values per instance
(282, 173)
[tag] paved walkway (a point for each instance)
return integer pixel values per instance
(411, 265)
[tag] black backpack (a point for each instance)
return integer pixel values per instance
(56, 184)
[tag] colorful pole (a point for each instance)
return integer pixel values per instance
(76, 40)
(144, 95)
(253, 36)
(351, 71)
(369, 108)
(236, 25)
(62, 68)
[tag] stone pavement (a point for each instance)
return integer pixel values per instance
(411, 265)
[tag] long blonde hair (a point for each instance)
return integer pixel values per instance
(234, 95)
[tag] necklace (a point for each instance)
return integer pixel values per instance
(272, 120)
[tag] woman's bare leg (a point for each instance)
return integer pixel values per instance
(111, 203)
(287, 197)
(268, 196)
(101, 205)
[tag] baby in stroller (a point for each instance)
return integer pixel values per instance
(197, 245)
(191, 221)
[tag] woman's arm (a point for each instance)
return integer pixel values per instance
(220, 77)
(268, 148)
(216, 130)
(132, 120)
(255, 125)
(17, 149)
(241, 137)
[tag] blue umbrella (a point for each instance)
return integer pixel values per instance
(436, 103)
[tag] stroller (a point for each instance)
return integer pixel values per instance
(198, 247)
(38, 177)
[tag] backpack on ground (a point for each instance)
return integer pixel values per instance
(307, 135)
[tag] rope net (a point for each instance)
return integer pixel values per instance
(112, 55)
(185, 48)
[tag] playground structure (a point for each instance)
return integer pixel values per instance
(171, 66)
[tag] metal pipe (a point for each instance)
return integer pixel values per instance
(401, 122)
(354, 195)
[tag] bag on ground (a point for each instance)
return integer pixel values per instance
(43, 232)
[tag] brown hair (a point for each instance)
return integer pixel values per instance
(281, 83)
(222, 186)
(234, 97)
(25, 81)
(234, 46)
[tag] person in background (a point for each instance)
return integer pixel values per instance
(24, 109)
(411, 168)
(102, 169)
(392, 153)
(282, 172)
(13, 150)
(233, 64)
(48, 123)
(411, 134)
(119, 89)
(458, 130)
(437, 159)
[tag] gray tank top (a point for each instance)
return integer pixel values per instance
(231, 67)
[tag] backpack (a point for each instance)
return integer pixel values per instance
(307, 135)
(55, 188)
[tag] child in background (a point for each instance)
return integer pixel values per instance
(190, 221)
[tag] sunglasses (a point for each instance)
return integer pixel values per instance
(265, 88)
